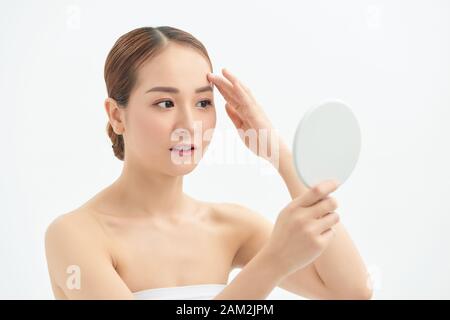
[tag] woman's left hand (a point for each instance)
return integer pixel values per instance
(247, 115)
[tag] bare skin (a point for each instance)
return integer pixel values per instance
(144, 232)
(143, 252)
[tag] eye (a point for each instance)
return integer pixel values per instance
(164, 105)
(205, 103)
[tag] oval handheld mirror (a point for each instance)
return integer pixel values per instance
(327, 143)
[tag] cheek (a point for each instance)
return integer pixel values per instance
(149, 130)
(209, 123)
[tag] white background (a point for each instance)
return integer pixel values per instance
(389, 60)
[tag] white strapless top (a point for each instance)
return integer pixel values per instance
(192, 292)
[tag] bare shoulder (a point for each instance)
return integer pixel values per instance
(77, 223)
(79, 260)
(240, 215)
(72, 237)
(252, 229)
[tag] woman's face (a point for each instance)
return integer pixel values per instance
(171, 103)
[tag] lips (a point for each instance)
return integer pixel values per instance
(183, 147)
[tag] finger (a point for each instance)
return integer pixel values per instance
(243, 95)
(311, 196)
(241, 90)
(318, 192)
(227, 74)
(247, 89)
(235, 93)
(222, 84)
(233, 79)
(324, 206)
(234, 116)
(328, 235)
(327, 221)
(225, 88)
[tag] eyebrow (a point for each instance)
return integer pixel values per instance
(175, 90)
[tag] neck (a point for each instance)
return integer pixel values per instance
(145, 192)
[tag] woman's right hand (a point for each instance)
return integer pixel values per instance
(303, 228)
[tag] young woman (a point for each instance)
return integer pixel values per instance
(143, 237)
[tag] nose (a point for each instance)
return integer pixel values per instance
(185, 123)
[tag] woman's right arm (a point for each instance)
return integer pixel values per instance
(79, 264)
(255, 281)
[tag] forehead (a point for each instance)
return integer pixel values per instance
(176, 65)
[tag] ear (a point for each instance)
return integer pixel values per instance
(115, 116)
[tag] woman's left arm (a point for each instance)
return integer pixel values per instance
(339, 272)
(340, 266)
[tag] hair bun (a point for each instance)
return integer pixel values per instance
(117, 142)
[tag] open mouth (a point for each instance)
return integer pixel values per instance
(183, 149)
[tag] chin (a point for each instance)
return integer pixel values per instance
(182, 169)
(179, 166)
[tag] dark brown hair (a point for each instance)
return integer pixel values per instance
(123, 61)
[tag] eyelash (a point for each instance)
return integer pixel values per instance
(209, 103)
